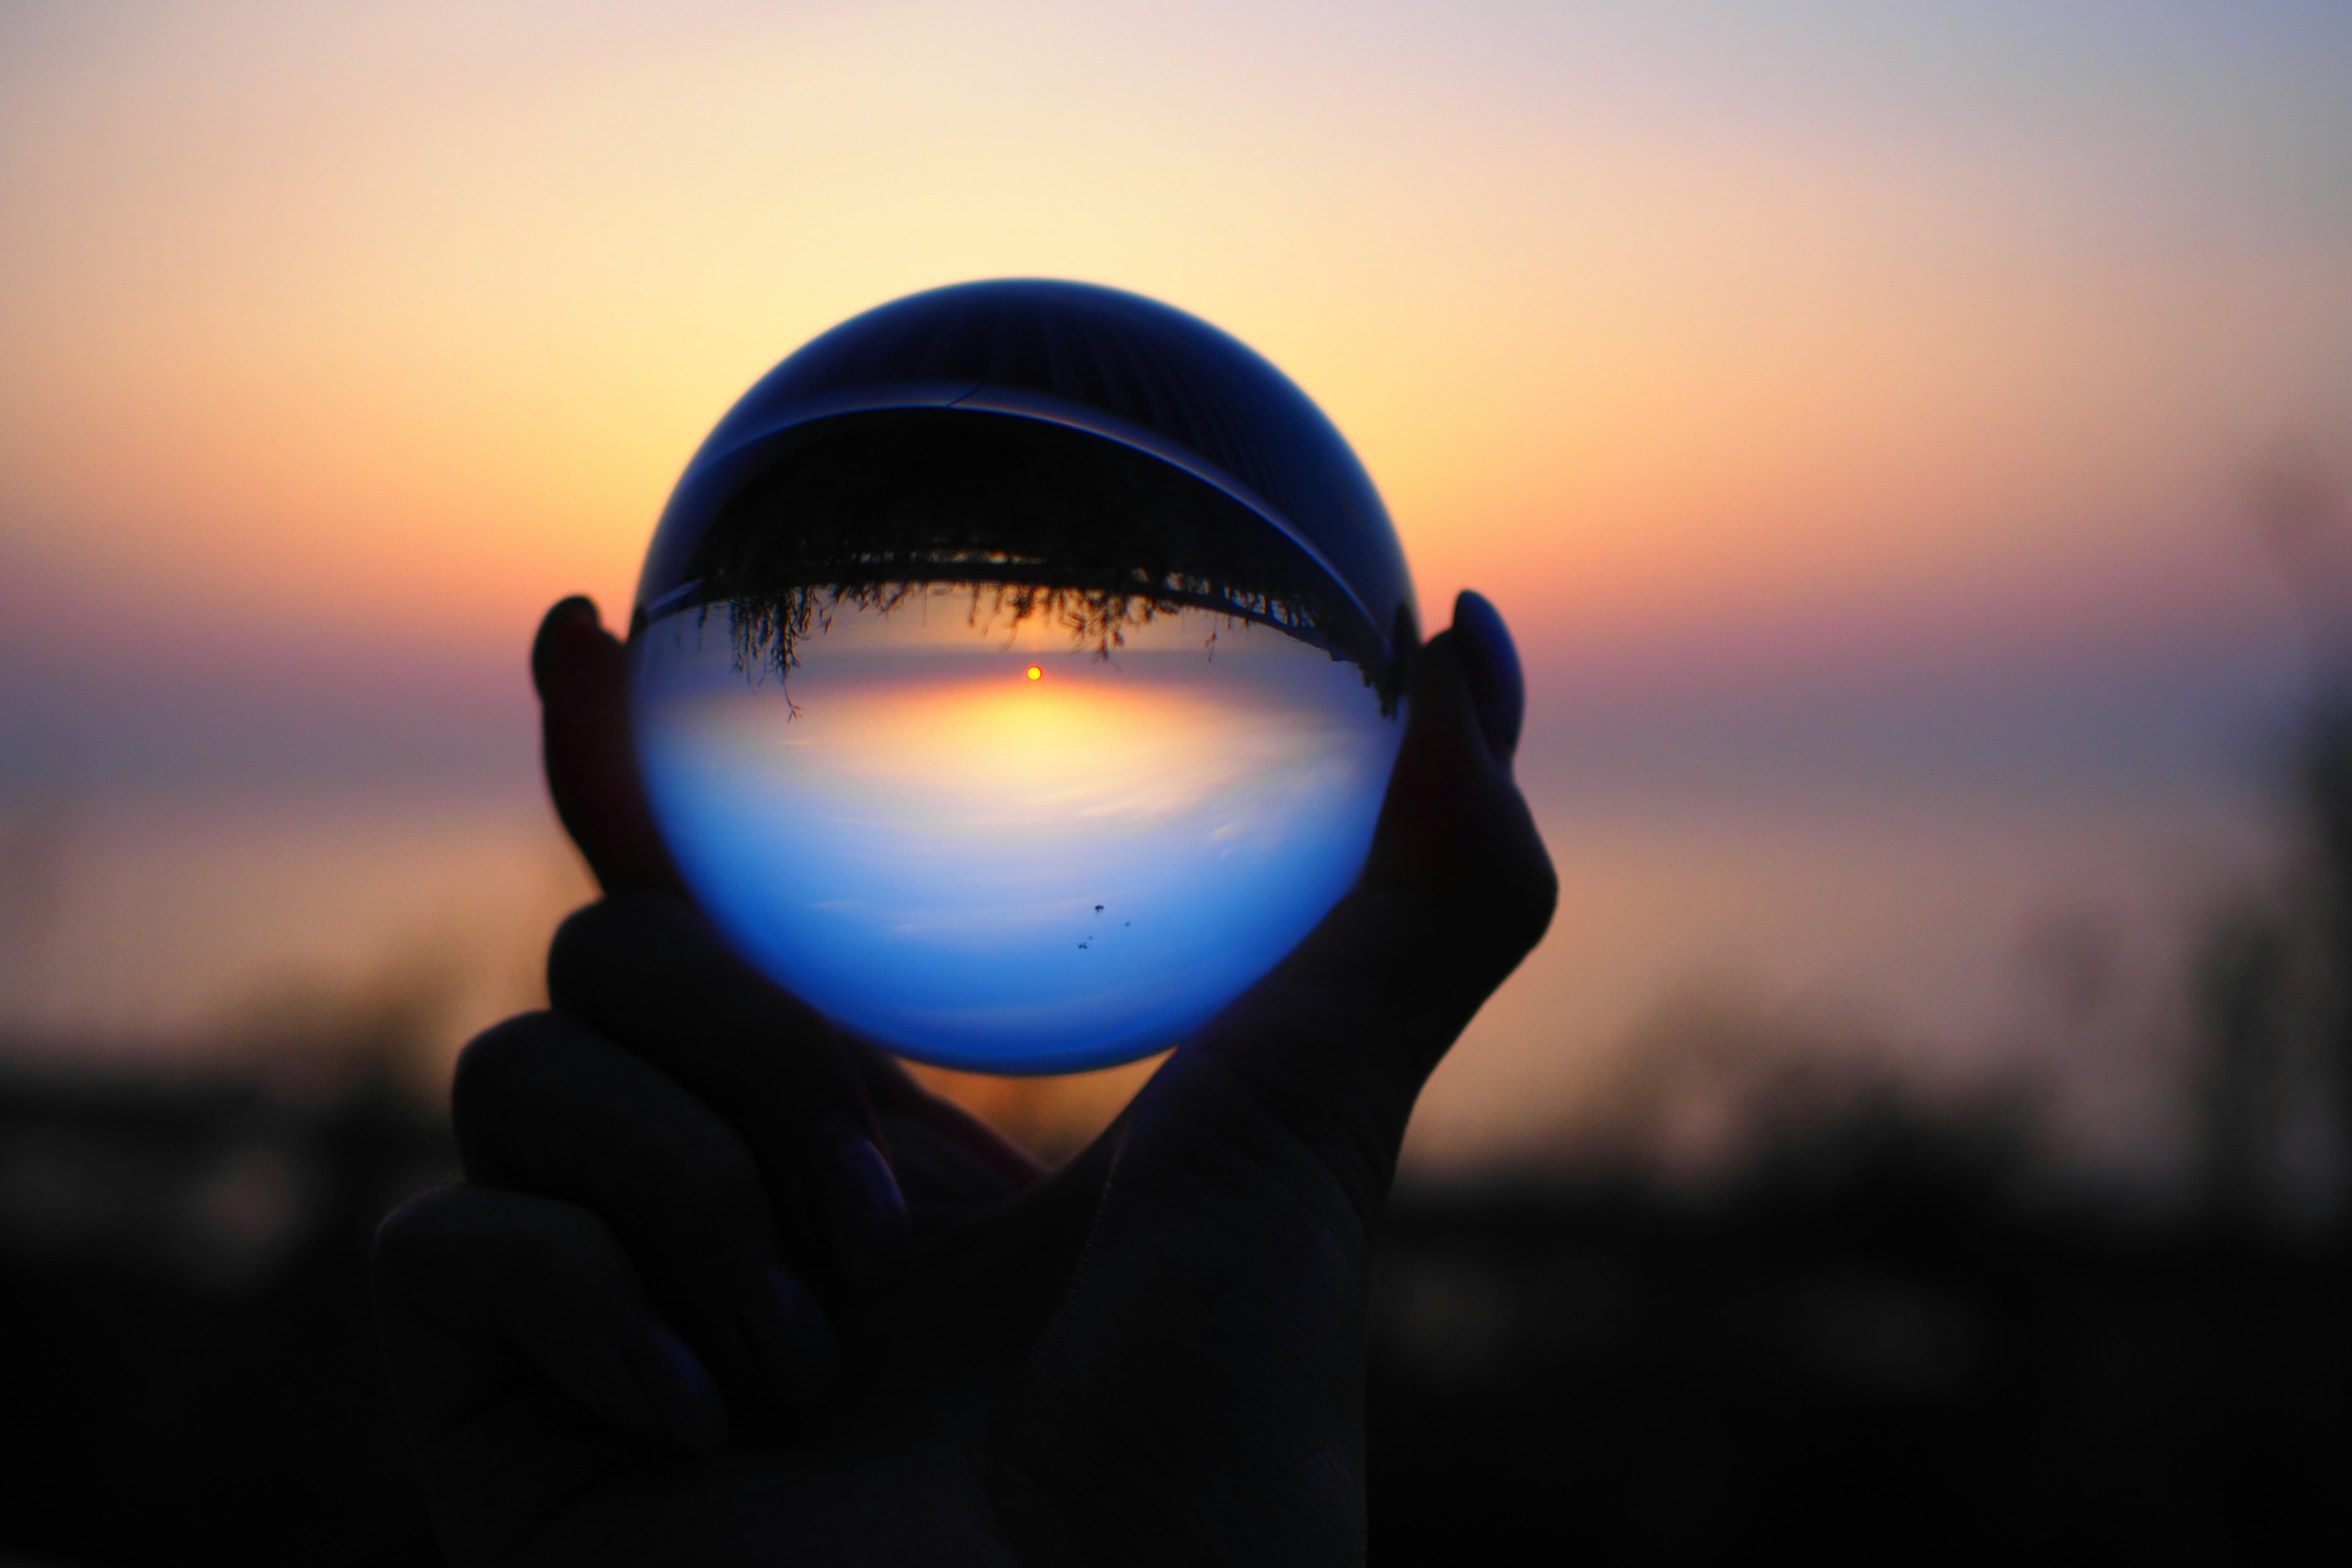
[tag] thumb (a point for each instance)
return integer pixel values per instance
(1214, 1327)
(1337, 1040)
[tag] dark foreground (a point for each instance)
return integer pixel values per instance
(1871, 1348)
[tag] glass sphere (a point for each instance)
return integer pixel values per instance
(1016, 674)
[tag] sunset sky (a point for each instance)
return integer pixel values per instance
(1845, 400)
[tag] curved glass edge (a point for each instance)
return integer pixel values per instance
(714, 479)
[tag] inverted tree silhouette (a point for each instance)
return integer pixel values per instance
(1034, 518)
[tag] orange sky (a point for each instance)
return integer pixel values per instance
(1655, 322)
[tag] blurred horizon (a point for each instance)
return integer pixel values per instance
(1851, 407)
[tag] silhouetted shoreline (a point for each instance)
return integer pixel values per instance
(1867, 1339)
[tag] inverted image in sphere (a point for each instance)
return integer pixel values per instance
(1016, 673)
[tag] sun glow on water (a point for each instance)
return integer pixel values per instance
(1029, 874)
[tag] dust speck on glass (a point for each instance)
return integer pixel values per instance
(1016, 674)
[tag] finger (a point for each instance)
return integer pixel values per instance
(976, 1287)
(1338, 1039)
(524, 1359)
(520, 1276)
(1334, 1044)
(948, 1162)
(646, 972)
(582, 673)
(542, 1105)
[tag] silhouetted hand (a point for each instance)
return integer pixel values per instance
(723, 1284)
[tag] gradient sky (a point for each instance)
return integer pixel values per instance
(1865, 385)
(1657, 320)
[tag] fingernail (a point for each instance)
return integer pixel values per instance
(682, 1394)
(794, 1337)
(867, 1206)
(1497, 685)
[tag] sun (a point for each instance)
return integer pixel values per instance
(1035, 673)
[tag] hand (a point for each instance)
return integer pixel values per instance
(723, 1284)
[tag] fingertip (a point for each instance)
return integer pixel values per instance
(868, 1211)
(1452, 813)
(679, 1388)
(1497, 684)
(793, 1335)
(565, 622)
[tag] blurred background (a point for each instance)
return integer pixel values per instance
(1908, 442)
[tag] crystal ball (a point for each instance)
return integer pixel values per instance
(1016, 672)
